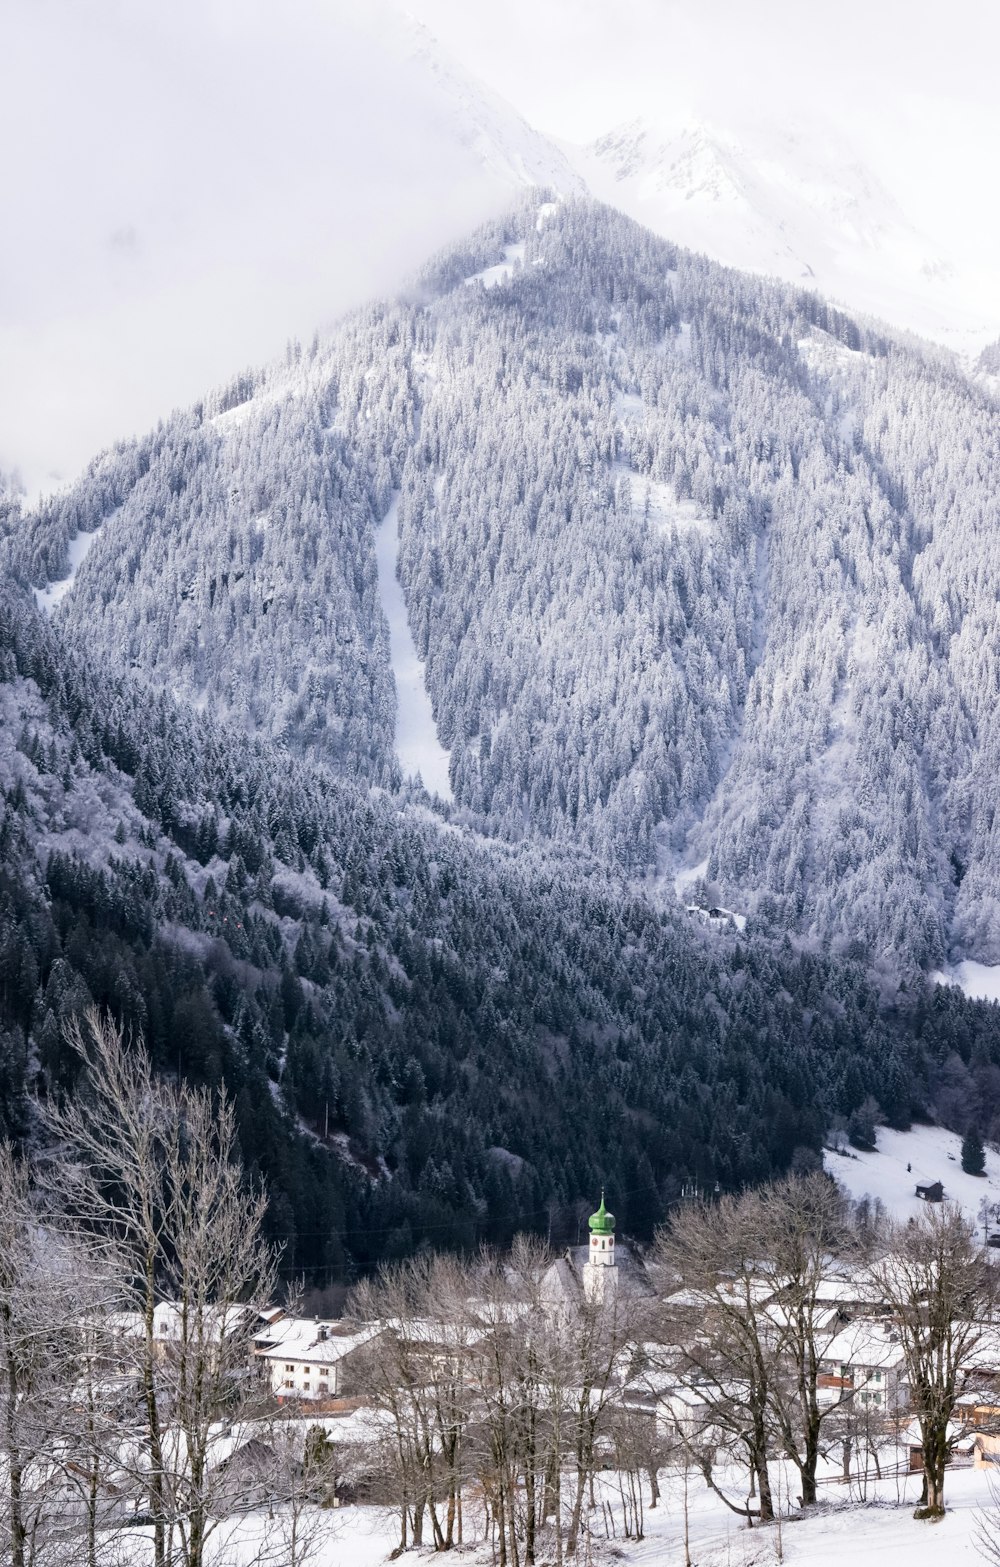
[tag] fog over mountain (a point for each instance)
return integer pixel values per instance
(181, 210)
(794, 199)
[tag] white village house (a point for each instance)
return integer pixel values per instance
(306, 1358)
(865, 1361)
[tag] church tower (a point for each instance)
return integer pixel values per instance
(599, 1272)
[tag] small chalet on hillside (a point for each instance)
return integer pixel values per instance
(930, 1191)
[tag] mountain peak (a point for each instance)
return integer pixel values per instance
(789, 199)
(483, 122)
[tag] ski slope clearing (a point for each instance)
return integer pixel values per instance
(54, 592)
(932, 1154)
(417, 745)
(656, 505)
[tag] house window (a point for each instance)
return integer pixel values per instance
(876, 1376)
(305, 1371)
(305, 1387)
(289, 1382)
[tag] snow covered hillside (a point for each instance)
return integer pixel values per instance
(880, 1534)
(695, 566)
(77, 551)
(924, 1154)
(795, 201)
(981, 981)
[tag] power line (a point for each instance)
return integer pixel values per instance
(448, 1224)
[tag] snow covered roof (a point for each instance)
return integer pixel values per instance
(168, 1321)
(780, 1315)
(866, 1344)
(760, 1290)
(318, 1343)
(985, 1357)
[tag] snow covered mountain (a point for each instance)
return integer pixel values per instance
(795, 201)
(483, 123)
(672, 565)
(694, 566)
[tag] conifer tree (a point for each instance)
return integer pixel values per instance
(973, 1153)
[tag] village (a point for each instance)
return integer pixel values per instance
(533, 1406)
(171, 1398)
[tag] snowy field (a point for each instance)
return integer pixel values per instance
(979, 981)
(417, 744)
(933, 1154)
(878, 1533)
(840, 1532)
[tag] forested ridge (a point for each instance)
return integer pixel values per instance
(699, 566)
(429, 1036)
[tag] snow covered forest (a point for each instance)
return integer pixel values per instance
(699, 569)
(698, 565)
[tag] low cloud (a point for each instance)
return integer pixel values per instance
(186, 187)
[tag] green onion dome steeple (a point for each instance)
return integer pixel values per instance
(602, 1222)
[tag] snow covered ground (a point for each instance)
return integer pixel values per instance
(932, 1154)
(513, 256)
(979, 981)
(883, 1535)
(417, 744)
(688, 875)
(880, 1534)
(54, 592)
(656, 504)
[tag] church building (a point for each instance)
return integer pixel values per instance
(600, 1275)
(595, 1272)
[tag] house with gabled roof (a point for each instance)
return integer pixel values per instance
(306, 1358)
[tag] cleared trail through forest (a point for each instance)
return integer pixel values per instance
(416, 739)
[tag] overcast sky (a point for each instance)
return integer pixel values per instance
(187, 183)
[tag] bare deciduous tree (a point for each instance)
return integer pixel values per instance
(54, 1411)
(752, 1265)
(153, 1168)
(724, 1357)
(941, 1290)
